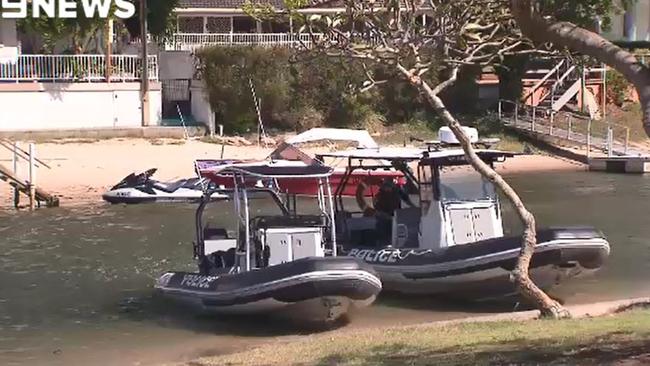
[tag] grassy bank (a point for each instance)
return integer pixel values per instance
(603, 340)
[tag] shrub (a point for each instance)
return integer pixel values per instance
(617, 87)
(298, 95)
(226, 72)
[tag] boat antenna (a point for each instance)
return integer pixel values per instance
(261, 134)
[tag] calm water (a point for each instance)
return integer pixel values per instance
(76, 283)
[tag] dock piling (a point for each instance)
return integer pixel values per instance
(32, 178)
(15, 162)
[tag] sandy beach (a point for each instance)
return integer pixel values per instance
(82, 171)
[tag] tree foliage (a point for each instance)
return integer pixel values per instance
(79, 31)
(161, 20)
(82, 30)
(302, 93)
(584, 12)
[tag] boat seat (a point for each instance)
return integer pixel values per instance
(362, 231)
(214, 233)
(220, 260)
(267, 222)
(406, 227)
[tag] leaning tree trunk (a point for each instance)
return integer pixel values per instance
(565, 34)
(520, 275)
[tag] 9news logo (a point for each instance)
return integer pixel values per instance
(18, 9)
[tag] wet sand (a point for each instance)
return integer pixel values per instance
(82, 171)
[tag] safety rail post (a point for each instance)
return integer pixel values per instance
(532, 124)
(15, 161)
(550, 129)
(516, 113)
(499, 109)
(32, 178)
(589, 138)
(609, 141)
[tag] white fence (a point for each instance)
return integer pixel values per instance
(75, 68)
(192, 41)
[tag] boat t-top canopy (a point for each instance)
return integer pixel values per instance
(384, 153)
(266, 169)
(457, 157)
(439, 157)
(361, 137)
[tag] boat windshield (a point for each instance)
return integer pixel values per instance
(463, 183)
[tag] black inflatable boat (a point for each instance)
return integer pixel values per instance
(316, 289)
(284, 264)
(481, 270)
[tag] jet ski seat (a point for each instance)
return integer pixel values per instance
(170, 187)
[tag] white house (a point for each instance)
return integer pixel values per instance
(633, 25)
(9, 45)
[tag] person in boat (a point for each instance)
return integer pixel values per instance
(388, 199)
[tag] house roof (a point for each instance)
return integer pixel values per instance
(224, 4)
(234, 4)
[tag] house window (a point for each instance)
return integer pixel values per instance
(275, 27)
(219, 25)
(244, 25)
(190, 24)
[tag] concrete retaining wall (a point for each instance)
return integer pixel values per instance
(50, 106)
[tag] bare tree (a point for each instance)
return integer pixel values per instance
(419, 40)
(543, 28)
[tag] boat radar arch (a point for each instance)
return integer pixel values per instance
(446, 135)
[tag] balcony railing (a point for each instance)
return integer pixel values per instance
(75, 68)
(192, 41)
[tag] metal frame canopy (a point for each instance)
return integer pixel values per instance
(384, 153)
(457, 157)
(264, 169)
(271, 170)
(361, 137)
(440, 157)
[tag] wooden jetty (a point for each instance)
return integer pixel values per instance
(28, 188)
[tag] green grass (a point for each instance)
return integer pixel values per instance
(588, 341)
(629, 115)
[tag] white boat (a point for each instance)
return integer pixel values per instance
(451, 242)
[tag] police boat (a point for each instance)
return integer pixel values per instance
(284, 264)
(450, 240)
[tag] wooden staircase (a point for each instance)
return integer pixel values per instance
(562, 83)
(36, 195)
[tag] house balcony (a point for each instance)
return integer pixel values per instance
(75, 68)
(194, 41)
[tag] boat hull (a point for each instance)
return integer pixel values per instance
(481, 270)
(314, 289)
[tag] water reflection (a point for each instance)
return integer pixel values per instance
(76, 279)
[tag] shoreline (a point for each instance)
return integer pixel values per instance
(82, 171)
(578, 312)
